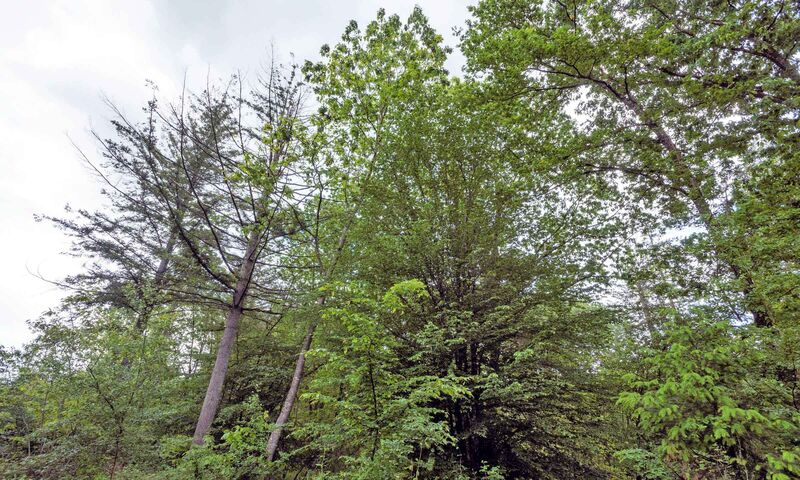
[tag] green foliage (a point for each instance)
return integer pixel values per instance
(698, 392)
(578, 260)
(369, 417)
(642, 464)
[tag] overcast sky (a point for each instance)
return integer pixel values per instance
(59, 58)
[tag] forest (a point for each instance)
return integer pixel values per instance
(579, 258)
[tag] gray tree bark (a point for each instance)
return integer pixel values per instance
(294, 387)
(297, 376)
(214, 391)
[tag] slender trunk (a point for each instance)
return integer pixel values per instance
(297, 376)
(162, 266)
(327, 273)
(294, 387)
(217, 380)
(376, 432)
(148, 304)
(117, 441)
(647, 311)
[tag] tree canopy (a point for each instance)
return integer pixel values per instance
(578, 259)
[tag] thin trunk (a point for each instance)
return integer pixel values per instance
(647, 311)
(327, 273)
(297, 376)
(217, 380)
(294, 387)
(117, 441)
(377, 431)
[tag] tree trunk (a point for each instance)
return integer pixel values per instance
(214, 391)
(297, 376)
(327, 274)
(647, 311)
(217, 380)
(294, 387)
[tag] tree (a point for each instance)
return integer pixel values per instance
(362, 85)
(578, 260)
(132, 243)
(660, 100)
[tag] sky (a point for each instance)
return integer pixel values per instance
(60, 59)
